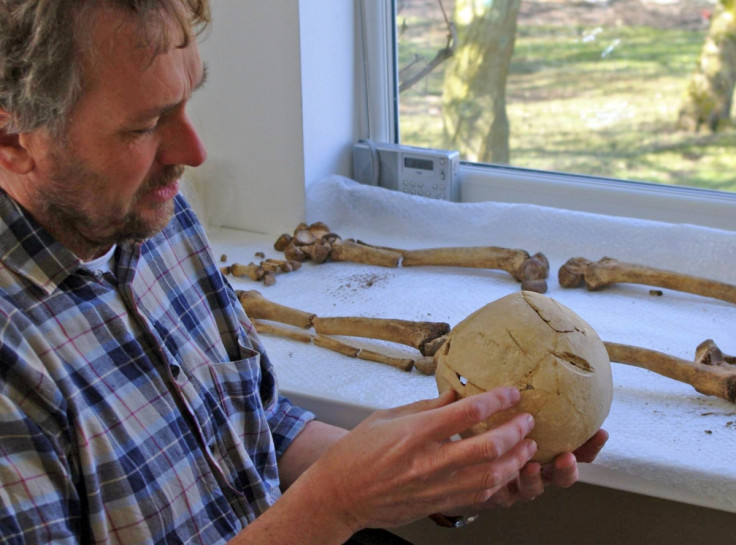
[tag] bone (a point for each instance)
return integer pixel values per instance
(270, 328)
(252, 271)
(531, 271)
(596, 275)
(711, 373)
(515, 262)
(405, 364)
(258, 307)
(330, 343)
(410, 333)
(417, 335)
(317, 243)
(348, 250)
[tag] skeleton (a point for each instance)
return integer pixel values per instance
(596, 275)
(711, 372)
(318, 243)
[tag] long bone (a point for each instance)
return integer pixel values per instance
(410, 333)
(596, 275)
(318, 243)
(530, 270)
(711, 372)
(405, 364)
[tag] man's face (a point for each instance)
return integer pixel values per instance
(115, 174)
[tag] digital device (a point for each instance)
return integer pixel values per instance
(418, 171)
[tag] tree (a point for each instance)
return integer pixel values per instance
(708, 98)
(474, 99)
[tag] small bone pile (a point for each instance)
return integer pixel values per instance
(318, 243)
(264, 271)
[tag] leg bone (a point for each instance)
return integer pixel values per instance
(710, 378)
(608, 271)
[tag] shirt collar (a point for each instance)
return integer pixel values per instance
(29, 250)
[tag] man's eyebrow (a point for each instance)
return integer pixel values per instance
(157, 111)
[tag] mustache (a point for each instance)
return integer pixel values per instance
(168, 175)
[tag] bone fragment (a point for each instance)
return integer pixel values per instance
(258, 307)
(596, 275)
(410, 333)
(708, 353)
(711, 373)
(317, 252)
(252, 271)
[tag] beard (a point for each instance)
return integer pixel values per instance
(77, 206)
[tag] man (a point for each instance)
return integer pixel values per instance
(137, 404)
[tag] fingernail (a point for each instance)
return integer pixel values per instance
(530, 420)
(513, 395)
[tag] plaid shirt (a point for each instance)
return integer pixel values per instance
(137, 407)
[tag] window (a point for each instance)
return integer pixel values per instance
(588, 102)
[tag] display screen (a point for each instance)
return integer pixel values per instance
(421, 164)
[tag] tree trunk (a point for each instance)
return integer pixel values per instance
(474, 99)
(707, 101)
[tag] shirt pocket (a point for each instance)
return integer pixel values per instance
(232, 419)
(231, 386)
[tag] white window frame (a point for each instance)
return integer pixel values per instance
(506, 184)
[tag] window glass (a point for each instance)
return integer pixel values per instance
(629, 89)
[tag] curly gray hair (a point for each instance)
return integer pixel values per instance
(41, 74)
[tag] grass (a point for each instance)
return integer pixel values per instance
(590, 100)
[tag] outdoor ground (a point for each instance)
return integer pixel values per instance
(594, 88)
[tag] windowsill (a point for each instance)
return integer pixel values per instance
(599, 195)
(666, 440)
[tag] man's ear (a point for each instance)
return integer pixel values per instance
(14, 155)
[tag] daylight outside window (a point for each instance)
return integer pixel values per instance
(628, 89)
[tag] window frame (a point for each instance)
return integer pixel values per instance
(482, 182)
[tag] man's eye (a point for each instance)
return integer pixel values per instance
(146, 130)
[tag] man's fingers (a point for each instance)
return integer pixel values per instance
(421, 406)
(530, 484)
(588, 451)
(490, 445)
(562, 472)
(446, 421)
(479, 482)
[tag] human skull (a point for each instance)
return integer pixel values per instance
(542, 348)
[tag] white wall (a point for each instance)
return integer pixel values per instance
(278, 110)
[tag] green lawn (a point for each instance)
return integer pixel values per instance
(591, 100)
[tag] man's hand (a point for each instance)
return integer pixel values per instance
(400, 464)
(533, 477)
